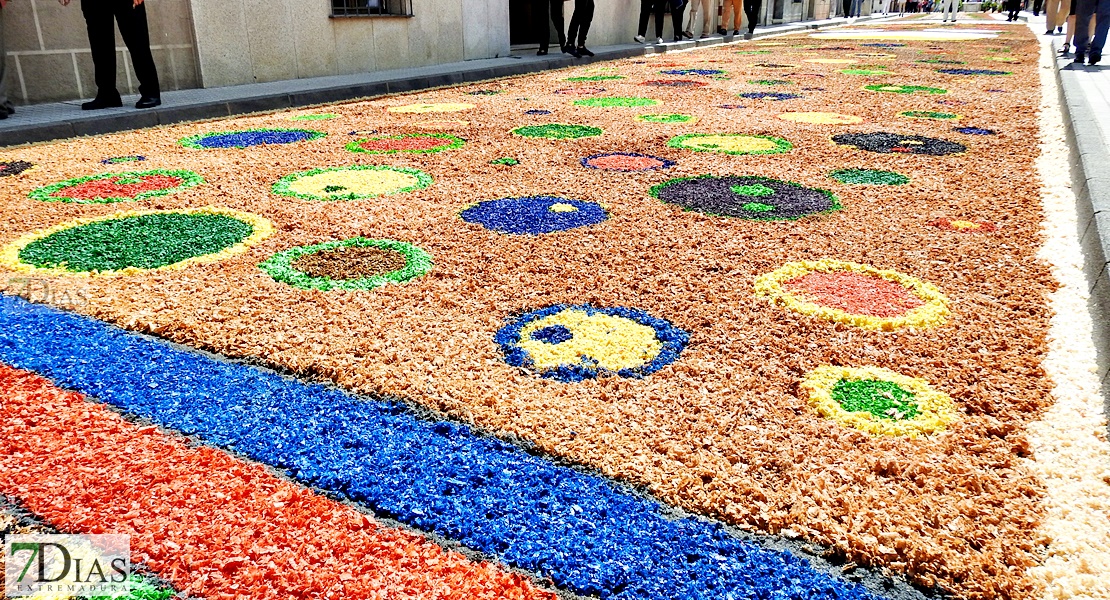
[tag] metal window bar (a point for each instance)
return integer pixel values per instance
(371, 8)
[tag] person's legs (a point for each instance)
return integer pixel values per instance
(1102, 28)
(580, 22)
(676, 20)
(102, 44)
(133, 30)
(730, 13)
(1083, 12)
(660, 9)
(6, 107)
(645, 12)
(707, 7)
(751, 11)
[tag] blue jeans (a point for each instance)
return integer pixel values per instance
(1083, 42)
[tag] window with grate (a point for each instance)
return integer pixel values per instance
(371, 8)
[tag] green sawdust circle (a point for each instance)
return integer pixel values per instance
(865, 71)
(595, 78)
(283, 186)
(770, 82)
(315, 117)
(615, 102)
(666, 119)
(904, 89)
(46, 193)
(883, 399)
(869, 177)
(280, 266)
(557, 131)
(928, 114)
(141, 241)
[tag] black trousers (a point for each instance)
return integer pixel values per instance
(647, 8)
(676, 20)
(539, 11)
(580, 21)
(1037, 4)
(751, 10)
(99, 15)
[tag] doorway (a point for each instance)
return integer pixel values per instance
(523, 29)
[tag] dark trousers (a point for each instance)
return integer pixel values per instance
(676, 20)
(580, 21)
(1084, 42)
(1037, 4)
(647, 8)
(539, 11)
(99, 15)
(751, 10)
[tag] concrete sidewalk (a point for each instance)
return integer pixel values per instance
(44, 122)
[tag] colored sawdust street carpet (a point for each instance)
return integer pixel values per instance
(771, 320)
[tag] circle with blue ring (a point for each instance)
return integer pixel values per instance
(669, 341)
(534, 215)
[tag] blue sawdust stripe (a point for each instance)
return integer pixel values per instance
(587, 534)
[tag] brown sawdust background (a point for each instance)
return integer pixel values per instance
(723, 431)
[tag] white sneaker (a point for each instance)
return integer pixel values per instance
(658, 40)
(639, 39)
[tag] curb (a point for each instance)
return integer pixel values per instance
(215, 109)
(1091, 184)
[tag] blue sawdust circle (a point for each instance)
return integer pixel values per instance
(974, 131)
(672, 338)
(249, 137)
(706, 72)
(533, 215)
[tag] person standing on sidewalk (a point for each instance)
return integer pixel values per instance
(1014, 7)
(751, 11)
(678, 10)
(950, 7)
(1037, 4)
(1087, 47)
(131, 16)
(1055, 14)
(647, 9)
(735, 10)
(580, 26)
(540, 9)
(696, 7)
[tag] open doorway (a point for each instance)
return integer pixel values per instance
(524, 31)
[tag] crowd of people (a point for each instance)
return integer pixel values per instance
(1087, 22)
(100, 19)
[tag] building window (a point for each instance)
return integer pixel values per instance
(371, 8)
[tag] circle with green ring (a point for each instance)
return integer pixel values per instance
(107, 188)
(557, 131)
(882, 399)
(615, 102)
(143, 241)
(869, 177)
(904, 89)
(667, 119)
(929, 114)
(281, 265)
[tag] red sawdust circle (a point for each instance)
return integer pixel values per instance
(110, 188)
(855, 293)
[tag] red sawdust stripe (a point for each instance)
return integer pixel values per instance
(212, 524)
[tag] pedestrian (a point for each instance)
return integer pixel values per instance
(699, 7)
(735, 10)
(886, 7)
(1056, 14)
(950, 7)
(540, 10)
(580, 26)
(1037, 4)
(853, 8)
(751, 11)
(131, 17)
(678, 9)
(1086, 46)
(1069, 34)
(1014, 7)
(647, 9)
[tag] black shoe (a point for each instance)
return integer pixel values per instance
(735, 32)
(1059, 30)
(99, 103)
(571, 51)
(583, 51)
(148, 102)
(541, 52)
(1080, 57)
(3, 115)
(1094, 59)
(568, 49)
(1049, 32)
(722, 31)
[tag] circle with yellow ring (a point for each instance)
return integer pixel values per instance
(571, 343)
(878, 401)
(731, 143)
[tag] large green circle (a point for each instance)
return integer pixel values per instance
(140, 241)
(557, 131)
